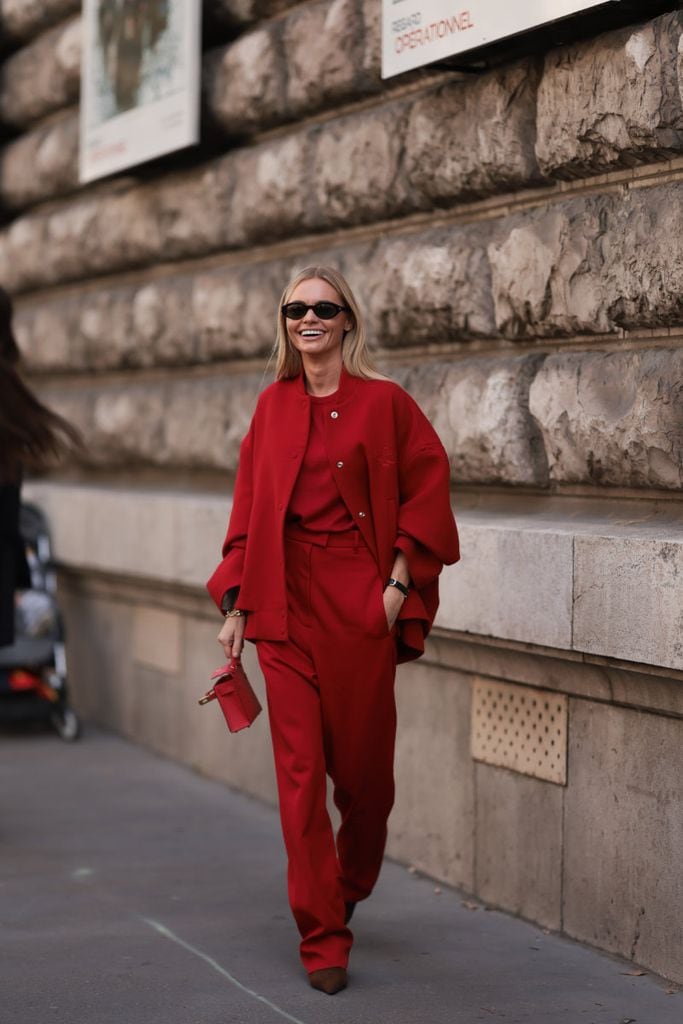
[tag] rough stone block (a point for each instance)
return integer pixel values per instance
(166, 321)
(191, 209)
(624, 834)
(229, 310)
(45, 339)
(185, 215)
(244, 82)
(372, 42)
(22, 19)
(389, 160)
(646, 291)
(109, 329)
(155, 326)
(560, 270)
(243, 12)
(227, 406)
(620, 100)
(478, 407)
(386, 161)
(19, 246)
(519, 844)
(42, 77)
(471, 138)
(628, 596)
(363, 167)
(84, 237)
(40, 164)
(537, 279)
(273, 75)
(415, 289)
(127, 226)
(192, 423)
(188, 214)
(354, 167)
(432, 286)
(326, 72)
(569, 268)
(253, 82)
(624, 103)
(358, 167)
(480, 410)
(272, 192)
(514, 580)
(432, 823)
(612, 418)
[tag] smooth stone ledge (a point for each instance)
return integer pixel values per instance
(597, 582)
(166, 536)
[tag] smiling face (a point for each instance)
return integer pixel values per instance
(312, 337)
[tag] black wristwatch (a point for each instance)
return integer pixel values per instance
(391, 582)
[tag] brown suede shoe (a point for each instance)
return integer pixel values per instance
(328, 979)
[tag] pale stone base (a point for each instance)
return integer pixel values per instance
(576, 575)
(597, 859)
(156, 704)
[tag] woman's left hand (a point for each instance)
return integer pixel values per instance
(393, 602)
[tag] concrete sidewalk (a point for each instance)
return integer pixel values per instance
(133, 891)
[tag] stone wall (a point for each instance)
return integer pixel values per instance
(515, 238)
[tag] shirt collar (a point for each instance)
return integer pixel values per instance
(347, 385)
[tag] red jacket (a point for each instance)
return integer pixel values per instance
(392, 473)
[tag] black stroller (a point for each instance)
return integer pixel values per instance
(33, 681)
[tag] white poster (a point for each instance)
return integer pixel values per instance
(140, 81)
(418, 32)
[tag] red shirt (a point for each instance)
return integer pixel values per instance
(316, 503)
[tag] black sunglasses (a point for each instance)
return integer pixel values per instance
(323, 310)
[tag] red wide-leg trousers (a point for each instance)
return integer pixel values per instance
(330, 690)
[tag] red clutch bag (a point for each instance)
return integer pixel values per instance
(233, 691)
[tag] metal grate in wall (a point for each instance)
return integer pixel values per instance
(520, 728)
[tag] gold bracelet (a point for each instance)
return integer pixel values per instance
(235, 613)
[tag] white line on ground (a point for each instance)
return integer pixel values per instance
(168, 934)
(82, 873)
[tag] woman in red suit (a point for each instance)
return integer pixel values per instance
(340, 525)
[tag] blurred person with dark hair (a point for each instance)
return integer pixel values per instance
(30, 437)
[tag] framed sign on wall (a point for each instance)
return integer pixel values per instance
(419, 32)
(140, 82)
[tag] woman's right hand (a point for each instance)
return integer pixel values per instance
(231, 636)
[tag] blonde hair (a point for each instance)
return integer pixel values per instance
(355, 355)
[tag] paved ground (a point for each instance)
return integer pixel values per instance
(133, 892)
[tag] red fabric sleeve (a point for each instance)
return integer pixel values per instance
(423, 566)
(426, 532)
(229, 572)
